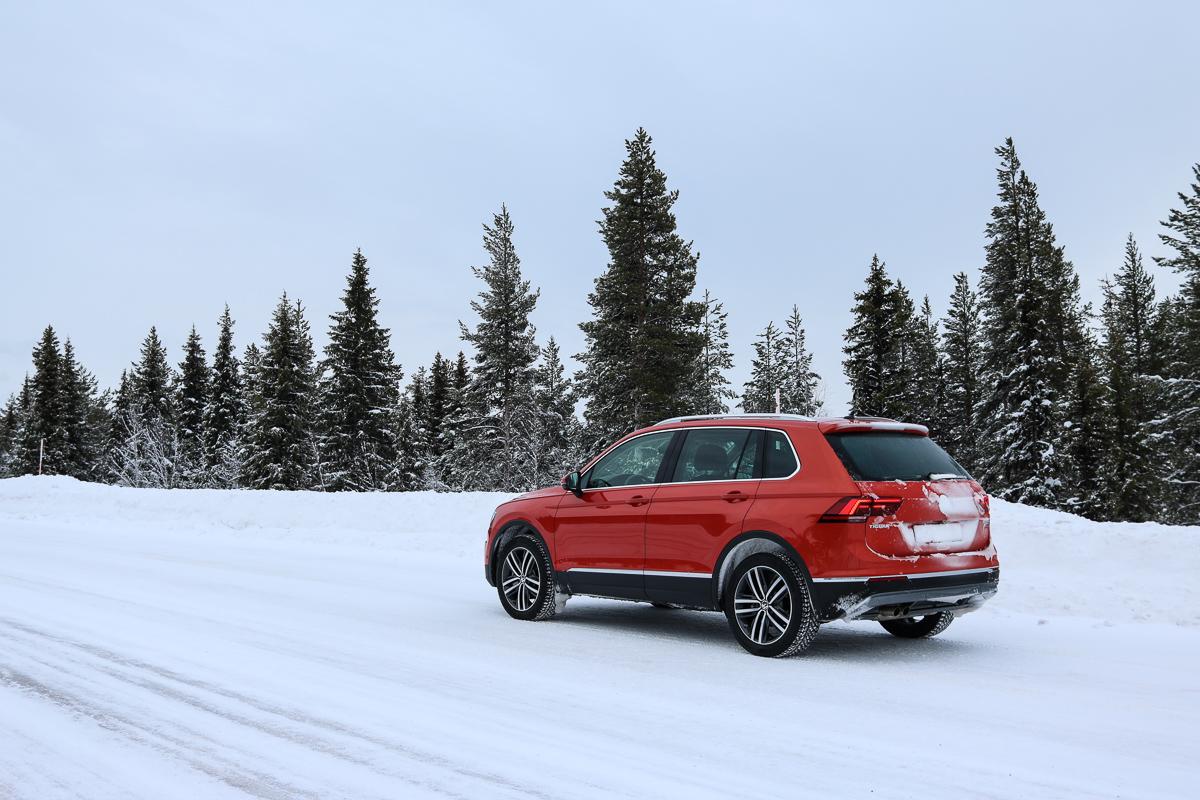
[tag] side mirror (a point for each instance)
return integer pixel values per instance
(571, 484)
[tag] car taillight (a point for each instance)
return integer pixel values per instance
(984, 503)
(858, 509)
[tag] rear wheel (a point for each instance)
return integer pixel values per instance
(918, 627)
(525, 579)
(768, 606)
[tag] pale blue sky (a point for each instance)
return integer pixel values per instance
(161, 159)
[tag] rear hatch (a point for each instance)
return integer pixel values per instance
(916, 499)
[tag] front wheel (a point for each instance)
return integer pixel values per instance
(768, 606)
(918, 627)
(525, 579)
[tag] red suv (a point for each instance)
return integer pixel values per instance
(781, 522)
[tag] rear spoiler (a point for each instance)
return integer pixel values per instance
(865, 425)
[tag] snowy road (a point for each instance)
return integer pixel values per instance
(203, 644)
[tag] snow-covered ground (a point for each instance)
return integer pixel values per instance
(251, 644)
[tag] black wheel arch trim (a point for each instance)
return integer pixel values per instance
(747, 536)
(505, 535)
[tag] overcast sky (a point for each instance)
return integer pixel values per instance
(158, 160)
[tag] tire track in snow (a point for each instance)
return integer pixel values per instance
(113, 664)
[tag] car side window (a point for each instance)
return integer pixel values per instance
(714, 454)
(780, 460)
(633, 463)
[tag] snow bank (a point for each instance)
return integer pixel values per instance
(1052, 563)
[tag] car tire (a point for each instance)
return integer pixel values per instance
(918, 627)
(769, 606)
(525, 579)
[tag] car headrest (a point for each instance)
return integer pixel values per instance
(710, 458)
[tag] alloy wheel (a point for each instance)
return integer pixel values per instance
(762, 604)
(521, 578)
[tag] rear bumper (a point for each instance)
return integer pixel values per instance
(897, 596)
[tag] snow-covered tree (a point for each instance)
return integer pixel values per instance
(192, 394)
(557, 432)
(44, 420)
(799, 385)
(961, 357)
(1029, 295)
(872, 342)
(1087, 440)
(359, 392)
(279, 449)
(1131, 362)
(493, 448)
(708, 383)
(766, 372)
(150, 381)
(1180, 384)
(226, 411)
(919, 388)
(12, 422)
(85, 421)
(643, 339)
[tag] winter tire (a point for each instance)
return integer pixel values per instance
(525, 579)
(918, 627)
(769, 607)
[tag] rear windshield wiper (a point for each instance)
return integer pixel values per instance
(945, 476)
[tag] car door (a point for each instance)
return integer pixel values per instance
(697, 510)
(599, 537)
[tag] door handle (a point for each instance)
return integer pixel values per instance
(735, 497)
(638, 500)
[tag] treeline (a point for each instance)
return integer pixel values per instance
(1048, 400)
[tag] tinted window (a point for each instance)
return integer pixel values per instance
(715, 454)
(632, 463)
(780, 460)
(893, 457)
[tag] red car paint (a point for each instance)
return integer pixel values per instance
(669, 532)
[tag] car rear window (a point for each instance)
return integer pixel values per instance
(890, 456)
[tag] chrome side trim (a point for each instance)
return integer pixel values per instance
(914, 575)
(659, 573)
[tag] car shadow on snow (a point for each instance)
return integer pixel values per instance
(837, 641)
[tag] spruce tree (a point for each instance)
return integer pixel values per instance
(1029, 299)
(418, 468)
(1087, 441)
(1180, 385)
(360, 390)
(557, 431)
(962, 361)
(44, 422)
(192, 394)
(437, 405)
(799, 385)
(151, 381)
(12, 423)
(878, 362)
(922, 390)
(1131, 359)
(279, 446)
(226, 411)
(85, 420)
(462, 413)
(643, 339)
(496, 445)
(711, 389)
(767, 372)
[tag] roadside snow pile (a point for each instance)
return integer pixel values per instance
(1052, 563)
(1058, 564)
